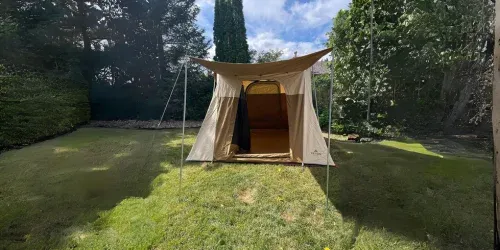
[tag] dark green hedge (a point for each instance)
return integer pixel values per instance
(40, 106)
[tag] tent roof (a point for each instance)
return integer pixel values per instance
(296, 64)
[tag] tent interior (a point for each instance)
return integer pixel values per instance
(261, 127)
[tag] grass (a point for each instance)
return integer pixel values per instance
(114, 189)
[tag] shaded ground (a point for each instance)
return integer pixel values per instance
(102, 188)
(466, 146)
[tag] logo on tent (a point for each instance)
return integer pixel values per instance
(316, 153)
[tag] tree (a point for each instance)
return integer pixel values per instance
(127, 51)
(230, 33)
(432, 63)
(267, 56)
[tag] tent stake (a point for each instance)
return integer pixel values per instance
(183, 127)
(329, 131)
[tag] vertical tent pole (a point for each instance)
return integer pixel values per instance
(183, 126)
(329, 131)
(371, 66)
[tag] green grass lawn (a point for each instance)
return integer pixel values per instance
(98, 189)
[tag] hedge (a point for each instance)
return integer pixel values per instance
(36, 107)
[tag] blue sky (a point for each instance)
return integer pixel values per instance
(289, 25)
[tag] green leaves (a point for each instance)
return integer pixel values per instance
(230, 37)
(415, 44)
(35, 107)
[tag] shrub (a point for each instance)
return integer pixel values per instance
(38, 106)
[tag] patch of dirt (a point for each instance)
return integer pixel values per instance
(135, 124)
(247, 195)
(287, 216)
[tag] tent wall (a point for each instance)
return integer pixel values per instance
(203, 148)
(315, 149)
(227, 93)
(306, 141)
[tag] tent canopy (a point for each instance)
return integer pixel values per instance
(259, 70)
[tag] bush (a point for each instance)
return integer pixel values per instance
(134, 102)
(38, 106)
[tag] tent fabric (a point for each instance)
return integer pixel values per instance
(258, 70)
(241, 132)
(305, 141)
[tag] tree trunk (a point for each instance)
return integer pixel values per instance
(496, 124)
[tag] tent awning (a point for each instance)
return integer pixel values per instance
(296, 64)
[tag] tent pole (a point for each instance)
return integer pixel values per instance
(170, 96)
(183, 126)
(329, 131)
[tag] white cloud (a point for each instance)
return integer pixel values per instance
(265, 11)
(211, 52)
(276, 24)
(319, 12)
(267, 41)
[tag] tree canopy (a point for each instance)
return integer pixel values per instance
(127, 52)
(432, 62)
(266, 56)
(230, 37)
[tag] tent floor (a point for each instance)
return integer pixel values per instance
(260, 160)
(269, 141)
(267, 145)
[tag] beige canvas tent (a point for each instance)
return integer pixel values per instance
(262, 113)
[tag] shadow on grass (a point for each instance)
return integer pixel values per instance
(444, 201)
(65, 183)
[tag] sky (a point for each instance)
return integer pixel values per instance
(287, 25)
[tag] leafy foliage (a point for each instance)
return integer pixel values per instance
(124, 54)
(230, 37)
(266, 56)
(39, 106)
(431, 64)
(139, 62)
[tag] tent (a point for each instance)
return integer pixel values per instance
(262, 113)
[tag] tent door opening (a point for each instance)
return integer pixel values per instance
(267, 119)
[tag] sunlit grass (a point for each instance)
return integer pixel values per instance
(120, 190)
(410, 146)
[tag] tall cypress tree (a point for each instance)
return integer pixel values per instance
(240, 44)
(230, 33)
